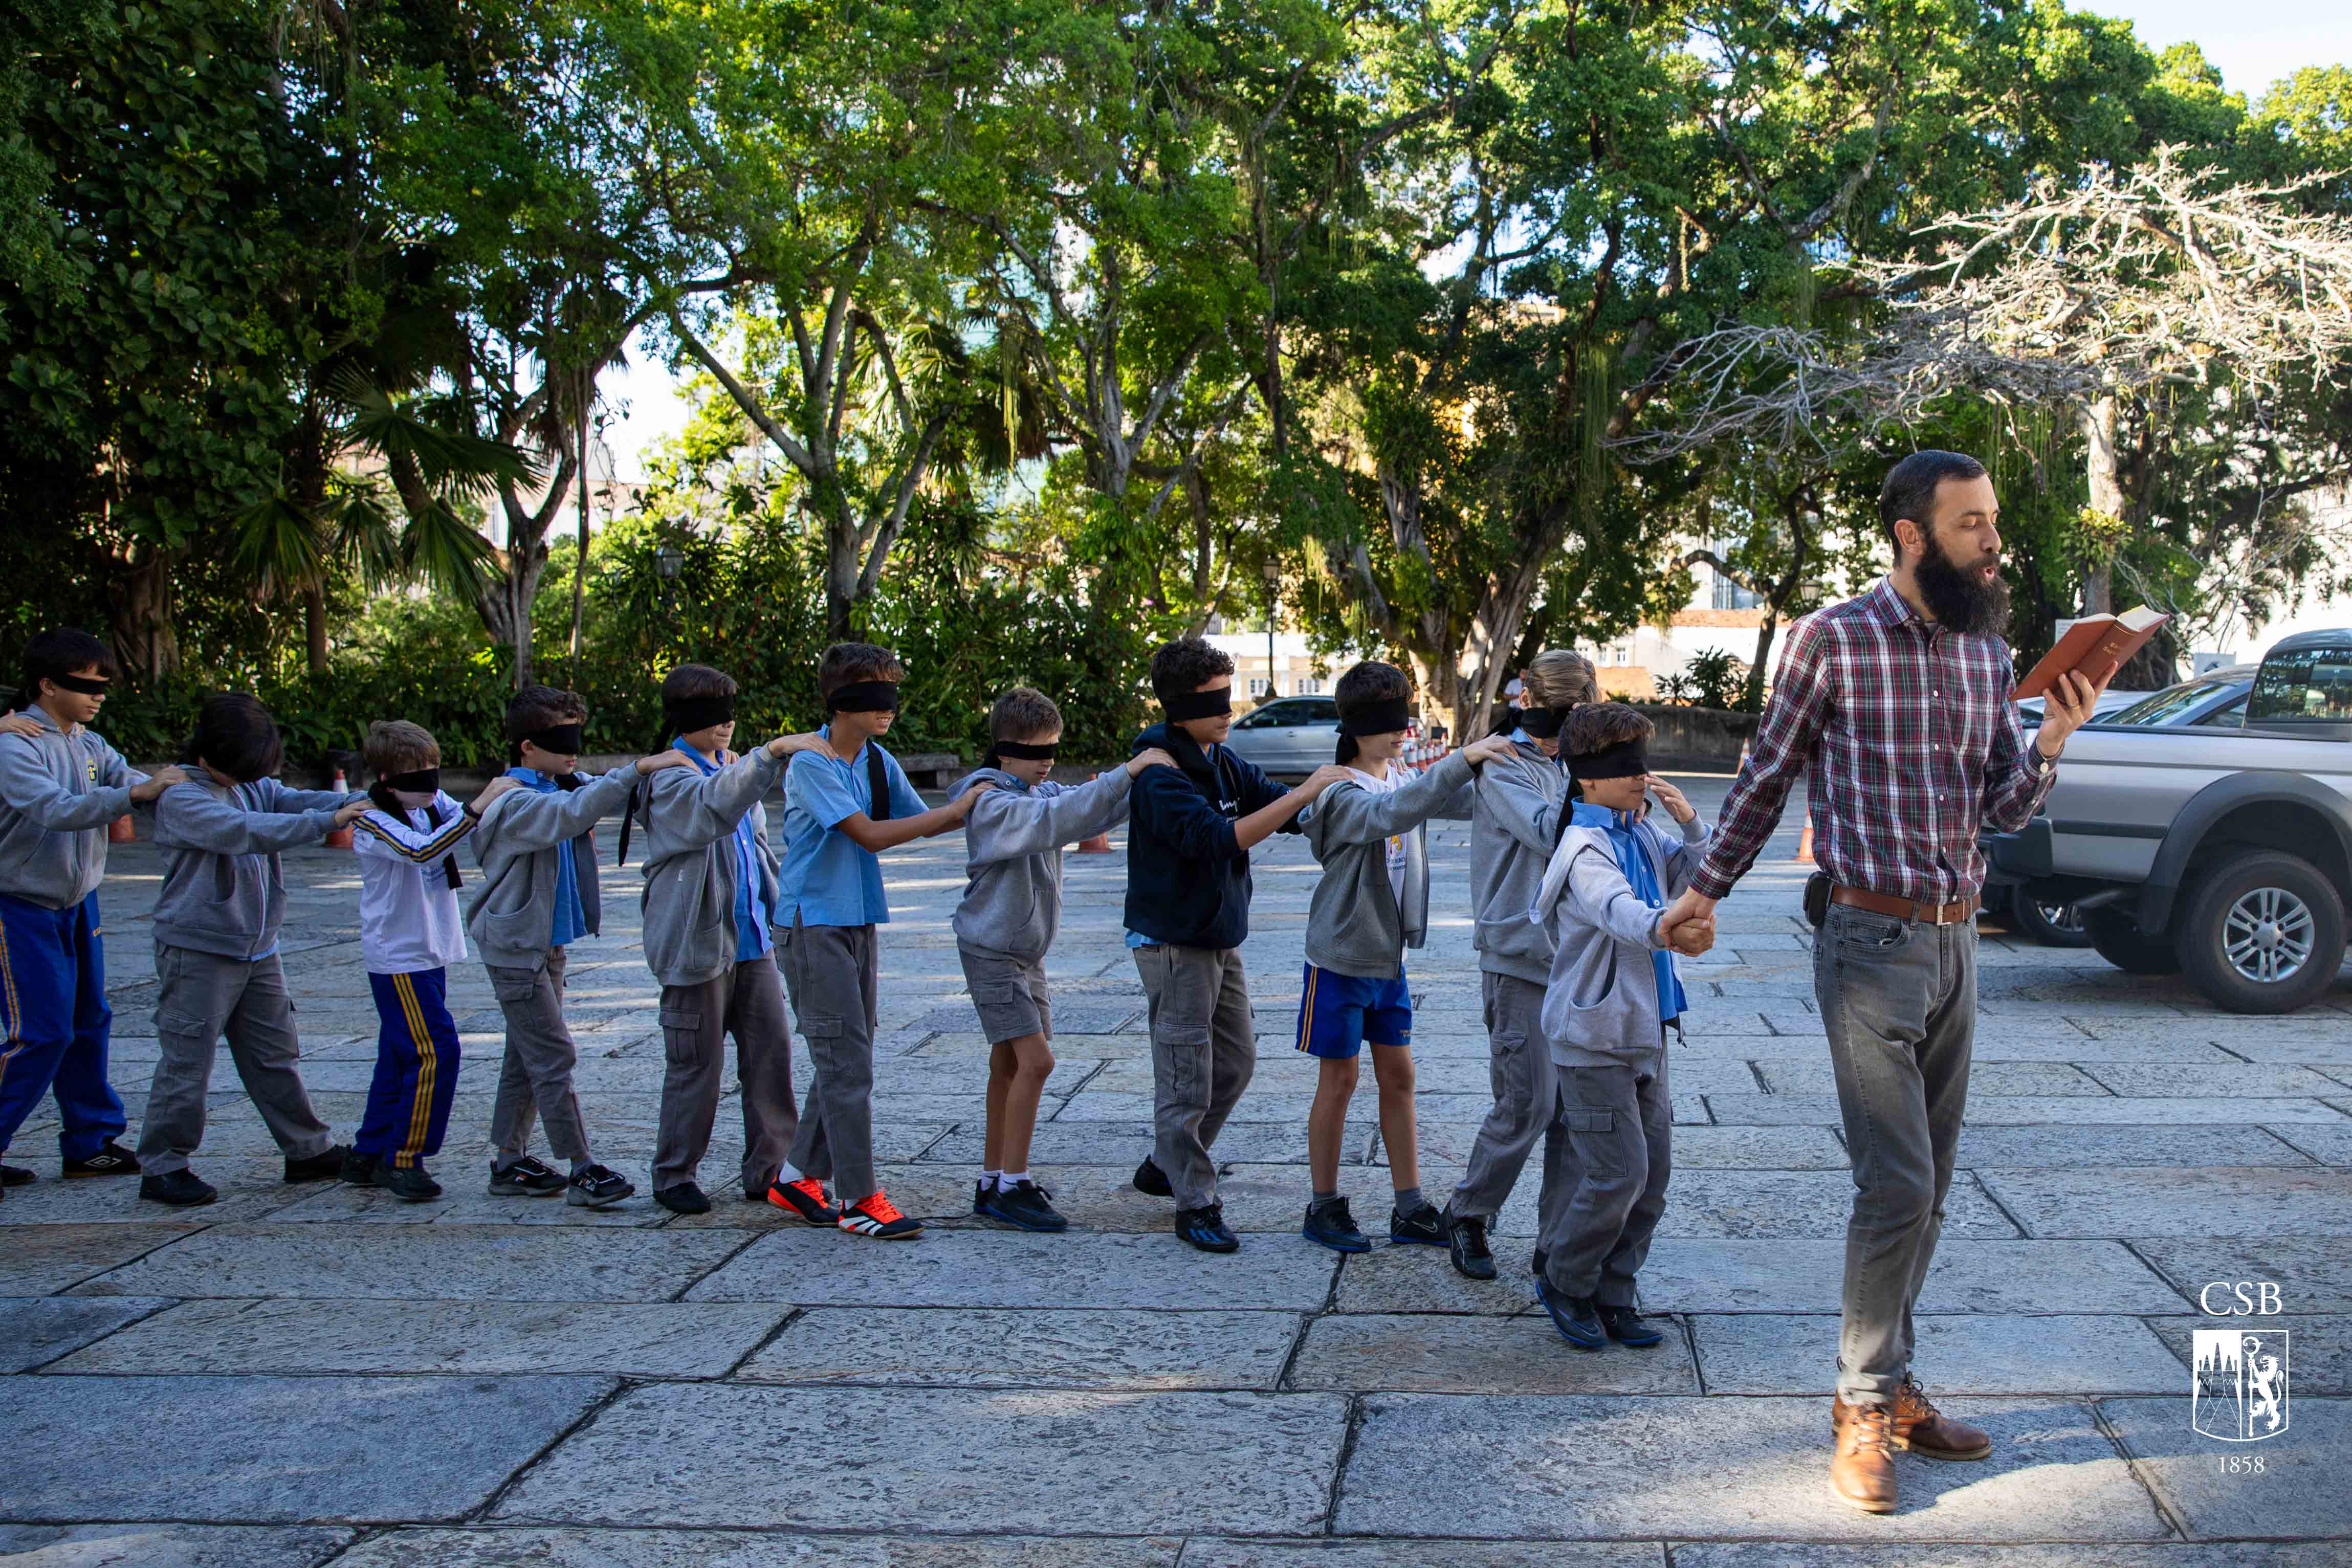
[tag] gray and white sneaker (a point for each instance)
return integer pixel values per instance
(527, 1177)
(598, 1187)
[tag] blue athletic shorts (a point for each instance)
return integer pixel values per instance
(1338, 1013)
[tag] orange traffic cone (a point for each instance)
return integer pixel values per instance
(121, 830)
(1098, 845)
(1805, 841)
(339, 838)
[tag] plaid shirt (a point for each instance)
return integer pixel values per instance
(1910, 740)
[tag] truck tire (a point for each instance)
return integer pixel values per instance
(2053, 923)
(2262, 932)
(2116, 936)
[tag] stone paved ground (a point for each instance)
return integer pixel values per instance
(299, 1375)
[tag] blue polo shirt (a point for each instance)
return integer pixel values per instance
(751, 937)
(827, 879)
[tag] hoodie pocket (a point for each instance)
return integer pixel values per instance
(1584, 993)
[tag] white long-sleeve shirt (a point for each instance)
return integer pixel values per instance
(409, 918)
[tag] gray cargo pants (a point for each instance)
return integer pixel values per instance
(1606, 1167)
(535, 1078)
(1899, 1000)
(199, 997)
(1204, 1053)
(748, 1003)
(1519, 1068)
(831, 971)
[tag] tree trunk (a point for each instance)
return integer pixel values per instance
(314, 629)
(141, 620)
(2098, 422)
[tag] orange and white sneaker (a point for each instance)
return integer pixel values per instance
(878, 1218)
(804, 1197)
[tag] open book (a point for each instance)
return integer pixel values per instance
(2094, 648)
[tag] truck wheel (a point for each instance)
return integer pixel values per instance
(2116, 936)
(2052, 922)
(2262, 933)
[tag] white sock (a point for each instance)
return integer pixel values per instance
(787, 1174)
(1008, 1180)
(990, 1180)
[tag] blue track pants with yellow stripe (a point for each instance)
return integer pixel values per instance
(53, 1005)
(415, 1068)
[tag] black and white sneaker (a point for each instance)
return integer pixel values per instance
(598, 1187)
(1026, 1205)
(529, 1176)
(1467, 1243)
(111, 1159)
(1424, 1226)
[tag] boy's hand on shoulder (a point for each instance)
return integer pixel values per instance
(785, 745)
(492, 791)
(1677, 806)
(1493, 748)
(1150, 756)
(1322, 778)
(966, 799)
(659, 761)
(351, 811)
(19, 724)
(162, 778)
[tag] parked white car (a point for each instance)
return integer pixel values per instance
(1287, 739)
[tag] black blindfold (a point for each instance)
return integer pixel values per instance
(87, 685)
(686, 715)
(1542, 723)
(1379, 719)
(423, 780)
(562, 740)
(1623, 760)
(863, 696)
(1212, 704)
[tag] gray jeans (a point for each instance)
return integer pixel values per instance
(1520, 1070)
(535, 1078)
(199, 997)
(1607, 1163)
(748, 1003)
(1899, 1002)
(1204, 1054)
(831, 971)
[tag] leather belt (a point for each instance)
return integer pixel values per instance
(1951, 913)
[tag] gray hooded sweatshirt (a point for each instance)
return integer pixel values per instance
(224, 890)
(521, 834)
(1013, 840)
(57, 793)
(1356, 924)
(1600, 1003)
(690, 870)
(1514, 823)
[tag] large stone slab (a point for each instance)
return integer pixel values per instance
(1791, 1203)
(2014, 1554)
(2321, 1362)
(2103, 1148)
(250, 1189)
(1688, 1275)
(2314, 1274)
(2329, 1145)
(1230, 1554)
(2026, 1110)
(2299, 1491)
(40, 1330)
(522, 1263)
(1783, 1075)
(2252, 1081)
(480, 1338)
(514, 1546)
(1427, 1354)
(167, 1546)
(40, 1260)
(1121, 1145)
(1013, 1268)
(1759, 1352)
(1113, 1464)
(438, 1446)
(1013, 1349)
(2133, 1201)
(1595, 1467)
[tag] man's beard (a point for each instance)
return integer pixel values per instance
(1959, 598)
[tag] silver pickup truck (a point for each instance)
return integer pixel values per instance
(2224, 855)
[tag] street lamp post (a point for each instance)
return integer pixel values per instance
(1273, 588)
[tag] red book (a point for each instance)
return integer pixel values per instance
(2094, 648)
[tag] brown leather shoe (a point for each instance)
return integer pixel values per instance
(1928, 1432)
(1862, 1471)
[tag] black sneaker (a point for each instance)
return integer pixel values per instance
(980, 1191)
(1424, 1226)
(17, 1176)
(359, 1169)
(1465, 1242)
(598, 1187)
(409, 1184)
(1206, 1228)
(684, 1198)
(111, 1159)
(1626, 1327)
(1574, 1316)
(529, 1176)
(326, 1166)
(1026, 1205)
(1329, 1223)
(180, 1189)
(807, 1198)
(1152, 1181)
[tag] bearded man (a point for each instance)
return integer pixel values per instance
(1897, 704)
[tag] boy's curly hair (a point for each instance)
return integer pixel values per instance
(1186, 665)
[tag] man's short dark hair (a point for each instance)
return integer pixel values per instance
(57, 654)
(1023, 712)
(235, 734)
(690, 680)
(1186, 665)
(1371, 682)
(1910, 490)
(1597, 726)
(846, 664)
(537, 707)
